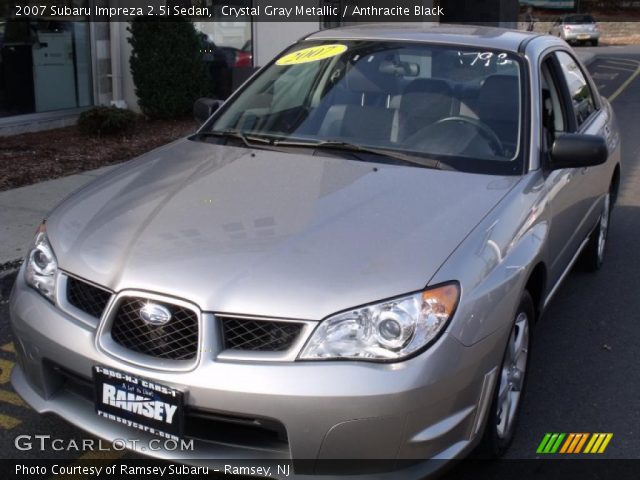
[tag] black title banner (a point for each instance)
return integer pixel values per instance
(237, 10)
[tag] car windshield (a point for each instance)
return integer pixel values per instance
(458, 106)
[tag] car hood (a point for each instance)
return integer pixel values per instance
(258, 232)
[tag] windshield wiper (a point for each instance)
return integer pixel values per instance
(249, 140)
(352, 147)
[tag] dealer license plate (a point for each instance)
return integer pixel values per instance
(138, 403)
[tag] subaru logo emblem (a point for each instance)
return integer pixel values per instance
(154, 314)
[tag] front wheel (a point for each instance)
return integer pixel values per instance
(510, 386)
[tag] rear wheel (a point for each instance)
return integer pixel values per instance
(593, 255)
(510, 386)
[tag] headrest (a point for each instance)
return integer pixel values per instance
(366, 76)
(425, 94)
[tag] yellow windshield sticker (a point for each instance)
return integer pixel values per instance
(312, 54)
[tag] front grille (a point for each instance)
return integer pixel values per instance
(86, 297)
(176, 340)
(258, 335)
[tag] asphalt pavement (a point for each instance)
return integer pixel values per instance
(583, 372)
(584, 375)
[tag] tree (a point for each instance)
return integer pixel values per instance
(167, 66)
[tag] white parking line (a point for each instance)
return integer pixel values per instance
(621, 61)
(617, 67)
(624, 86)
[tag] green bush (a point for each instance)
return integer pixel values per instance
(106, 121)
(167, 66)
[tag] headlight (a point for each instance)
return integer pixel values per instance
(41, 266)
(389, 330)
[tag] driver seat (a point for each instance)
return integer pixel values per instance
(423, 102)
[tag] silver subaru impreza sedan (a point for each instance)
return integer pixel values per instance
(346, 261)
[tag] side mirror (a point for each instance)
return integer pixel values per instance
(574, 150)
(204, 108)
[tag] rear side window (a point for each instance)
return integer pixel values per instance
(581, 95)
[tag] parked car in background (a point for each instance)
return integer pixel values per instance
(244, 56)
(346, 261)
(577, 29)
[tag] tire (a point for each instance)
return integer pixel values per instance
(592, 258)
(594, 43)
(510, 386)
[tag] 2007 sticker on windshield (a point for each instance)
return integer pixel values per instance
(312, 54)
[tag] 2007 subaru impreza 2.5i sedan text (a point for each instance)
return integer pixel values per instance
(346, 261)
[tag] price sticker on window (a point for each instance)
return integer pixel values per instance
(312, 54)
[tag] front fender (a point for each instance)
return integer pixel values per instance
(496, 260)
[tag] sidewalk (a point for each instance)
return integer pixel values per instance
(22, 210)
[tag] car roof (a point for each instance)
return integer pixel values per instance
(430, 32)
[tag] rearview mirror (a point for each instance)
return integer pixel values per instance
(574, 150)
(204, 108)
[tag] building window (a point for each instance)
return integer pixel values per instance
(45, 64)
(228, 46)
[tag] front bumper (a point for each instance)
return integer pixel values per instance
(580, 36)
(428, 407)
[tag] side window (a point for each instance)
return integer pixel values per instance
(554, 118)
(579, 89)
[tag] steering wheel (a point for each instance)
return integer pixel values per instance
(482, 127)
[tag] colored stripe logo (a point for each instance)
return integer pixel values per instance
(573, 443)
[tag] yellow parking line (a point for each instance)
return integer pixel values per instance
(8, 347)
(7, 422)
(12, 398)
(623, 87)
(5, 370)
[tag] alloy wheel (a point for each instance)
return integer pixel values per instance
(604, 226)
(512, 376)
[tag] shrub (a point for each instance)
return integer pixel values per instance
(167, 66)
(106, 121)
